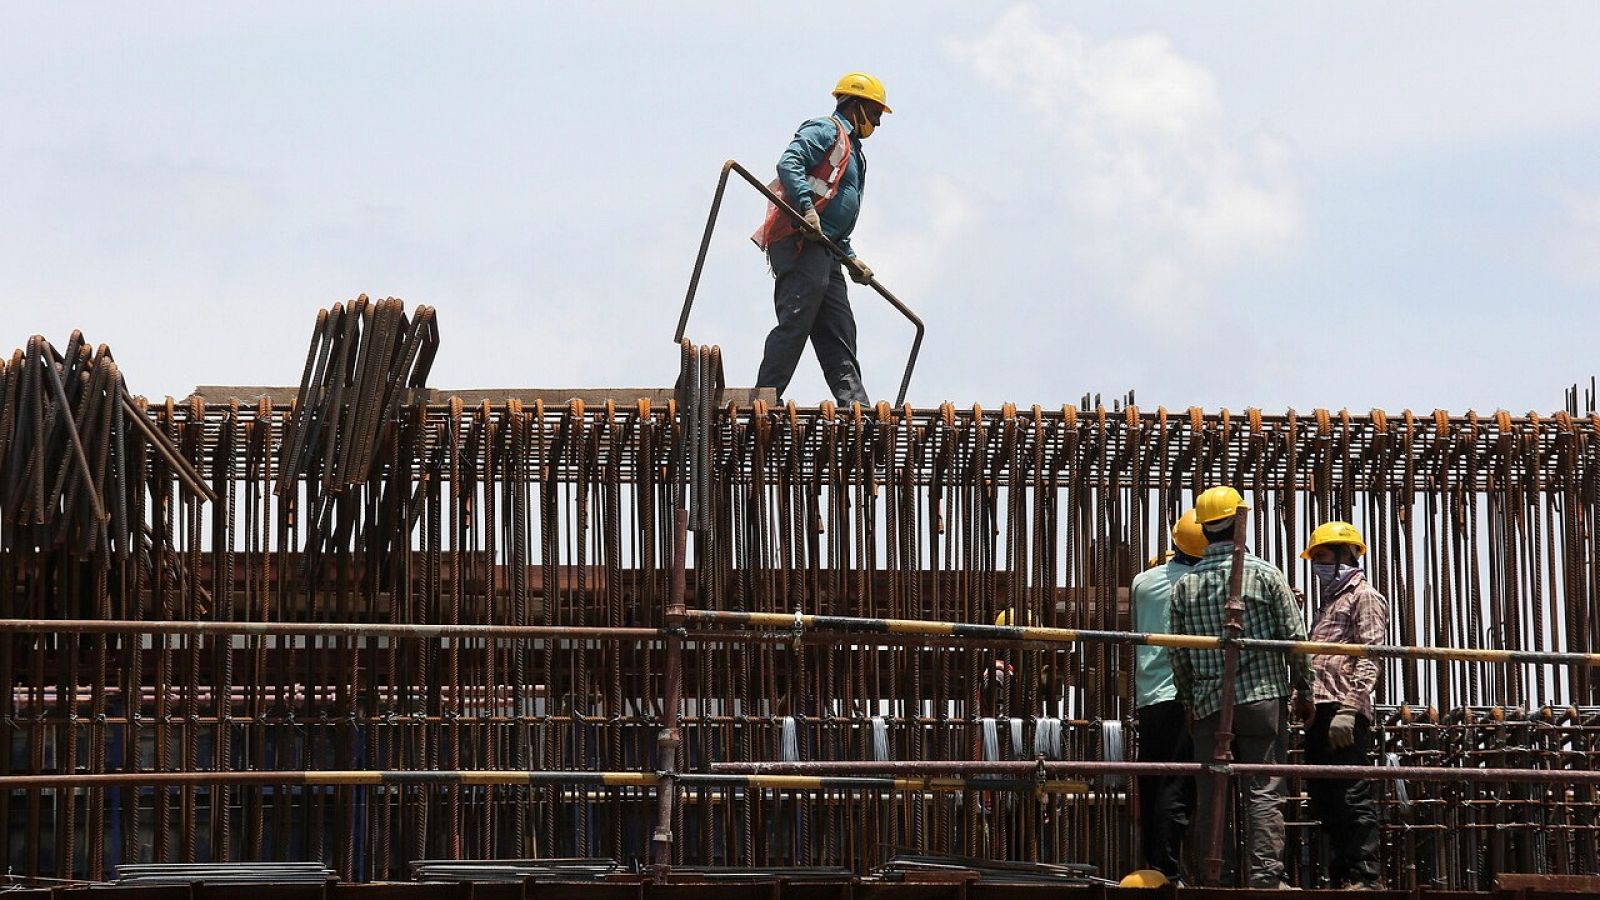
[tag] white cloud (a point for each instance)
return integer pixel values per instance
(1161, 197)
(914, 260)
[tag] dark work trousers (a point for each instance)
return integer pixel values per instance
(1258, 737)
(1164, 800)
(811, 302)
(1345, 806)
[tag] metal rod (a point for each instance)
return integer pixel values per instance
(491, 777)
(1233, 629)
(1055, 767)
(824, 240)
(886, 629)
(340, 629)
(185, 470)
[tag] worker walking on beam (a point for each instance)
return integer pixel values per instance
(1339, 727)
(1164, 800)
(822, 174)
(1261, 684)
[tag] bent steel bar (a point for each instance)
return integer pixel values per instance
(1038, 634)
(873, 282)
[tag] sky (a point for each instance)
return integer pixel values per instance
(1226, 204)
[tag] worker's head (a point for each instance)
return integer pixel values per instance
(1335, 543)
(1333, 550)
(862, 102)
(1215, 509)
(1188, 536)
(1009, 617)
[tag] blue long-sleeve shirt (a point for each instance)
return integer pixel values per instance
(810, 147)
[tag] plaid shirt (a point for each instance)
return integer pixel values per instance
(1199, 606)
(1358, 614)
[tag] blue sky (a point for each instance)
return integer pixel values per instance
(1221, 205)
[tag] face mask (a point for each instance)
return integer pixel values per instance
(862, 122)
(1330, 574)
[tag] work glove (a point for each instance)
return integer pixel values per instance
(1304, 708)
(1342, 730)
(812, 225)
(860, 272)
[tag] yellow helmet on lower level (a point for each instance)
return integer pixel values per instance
(1144, 878)
(1009, 617)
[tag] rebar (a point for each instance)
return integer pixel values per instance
(273, 595)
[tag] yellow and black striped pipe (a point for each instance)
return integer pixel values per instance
(1038, 634)
(495, 777)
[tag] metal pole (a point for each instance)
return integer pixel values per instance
(1233, 629)
(1056, 768)
(916, 631)
(824, 240)
(339, 629)
(671, 737)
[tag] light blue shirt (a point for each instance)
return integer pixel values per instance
(810, 146)
(1152, 614)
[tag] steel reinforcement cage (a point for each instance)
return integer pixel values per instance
(562, 521)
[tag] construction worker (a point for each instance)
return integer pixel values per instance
(821, 174)
(1261, 683)
(1164, 800)
(1339, 731)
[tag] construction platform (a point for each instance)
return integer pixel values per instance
(718, 647)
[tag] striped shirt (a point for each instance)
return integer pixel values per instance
(1358, 614)
(1199, 606)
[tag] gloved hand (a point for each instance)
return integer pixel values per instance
(860, 272)
(1304, 709)
(812, 225)
(1342, 730)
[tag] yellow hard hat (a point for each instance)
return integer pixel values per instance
(1216, 504)
(1188, 536)
(860, 84)
(1158, 559)
(1144, 878)
(1335, 533)
(1008, 617)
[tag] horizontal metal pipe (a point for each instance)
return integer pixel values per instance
(327, 777)
(509, 777)
(857, 782)
(1037, 634)
(815, 624)
(1020, 768)
(315, 629)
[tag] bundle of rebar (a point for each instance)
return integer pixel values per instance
(67, 428)
(420, 631)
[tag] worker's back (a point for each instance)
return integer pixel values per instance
(1199, 607)
(1151, 596)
